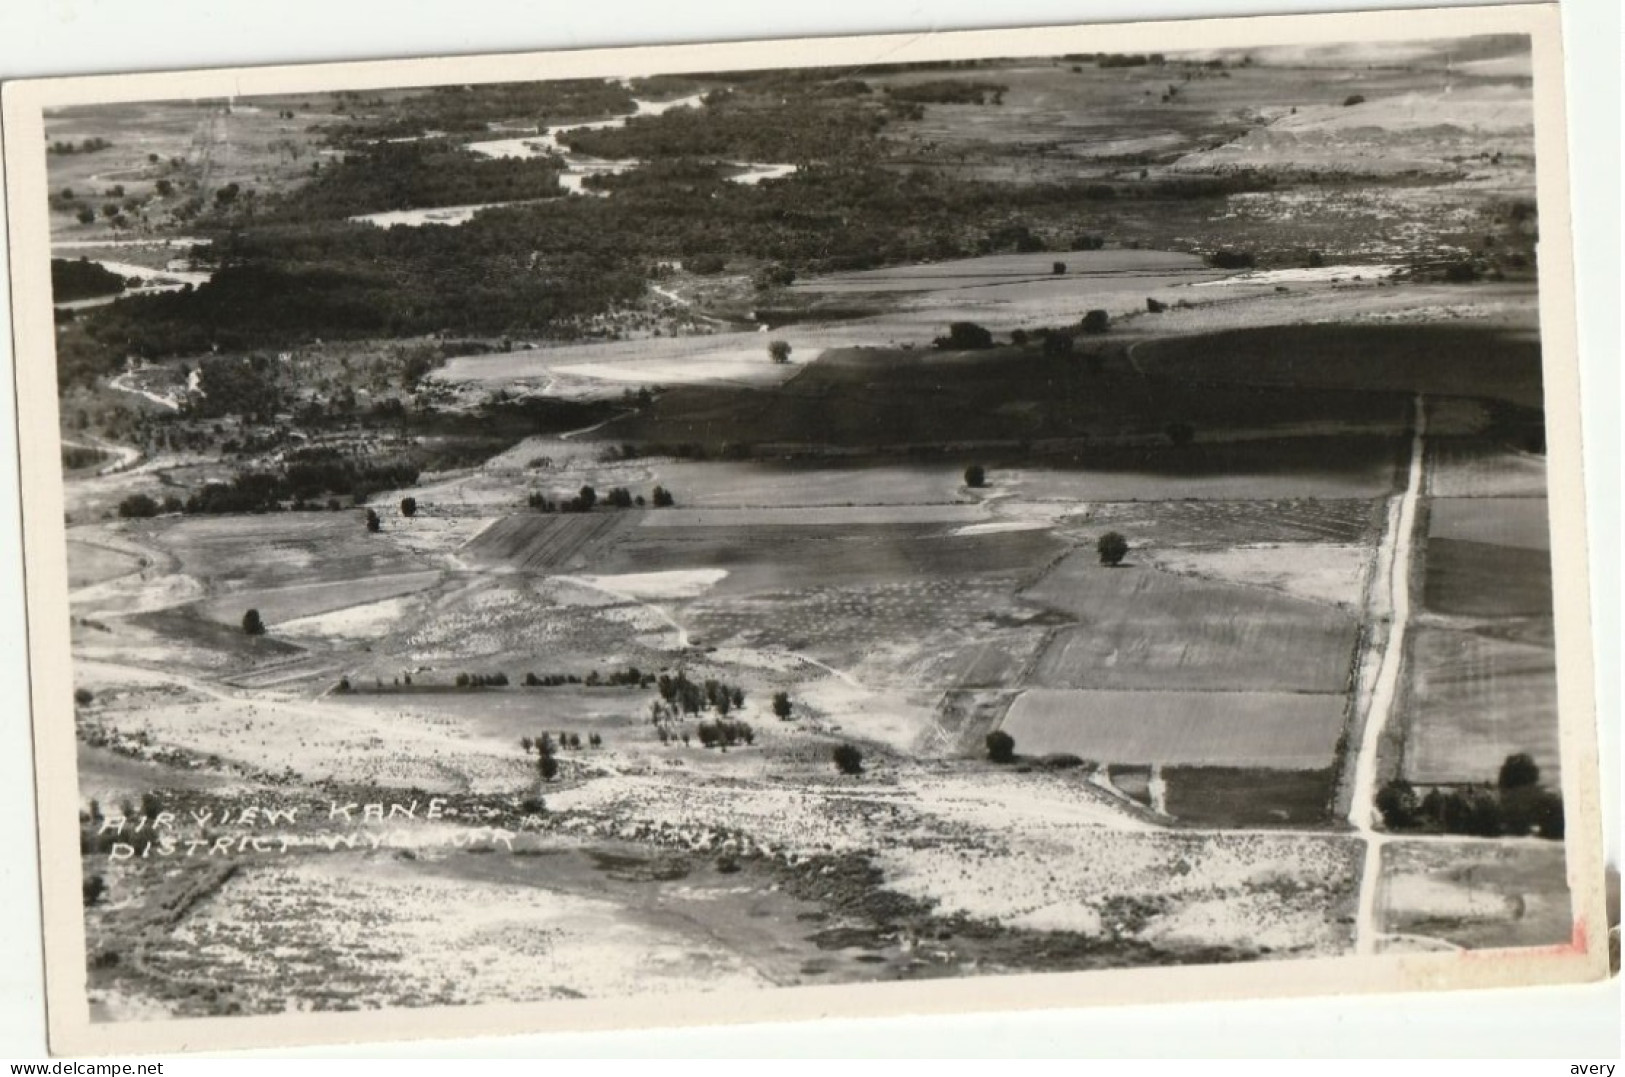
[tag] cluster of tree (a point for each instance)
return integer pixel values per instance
(585, 499)
(89, 145)
(949, 92)
(82, 279)
(1122, 59)
(724, 733)
(964, 336)
(630, 677)
(481, 680)
(741, 125)
(472, 108)
(143, 507)
(1232, 259)
(1516, 805)
(680, 696)
(547, 749)
(416, 175)
(298, 484)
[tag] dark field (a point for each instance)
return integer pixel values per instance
(1439, 360)
(1241, 797)
(1478, 579)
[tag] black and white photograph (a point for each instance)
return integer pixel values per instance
(684, 533)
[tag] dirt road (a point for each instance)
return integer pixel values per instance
(1362, 807)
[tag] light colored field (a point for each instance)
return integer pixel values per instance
(1466, 469)
(724, 484)
(412, 936)
(1321, 573)
(681, 583)
(1476, 894)
(90, 563)
(1123, 485)
(1476, 700)
(820, 516)
(303, 602)
(1159, 525)
(1279, 730)
(733, 358)
(1141, 628)
(1519, 522)
(366, 621)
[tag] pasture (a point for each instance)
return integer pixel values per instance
(275, 550)
(1268, 730)
(786, 557)
(1517, 522)
(1476, 894)
(540, 542)
(1335, 575)
(1467, 467)
(1087, 273)
(1224, 523)
(1474, 700)
(292, 603)
(1480, 579)
(1452, 360)
(1139, 628)
(1247, 797)
(728, 484)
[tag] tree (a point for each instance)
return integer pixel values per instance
(83, 696)
(1096, 321)
(1112, 548)
(374, 524)
(848, 760)
(252, 623)
(546, 762)
(975, 477)
(86, 215)
(588, 497)
(779, 350)
(782, 706)
(1398, 804)
(1058, 268)
(409, 506)
(1517, 772)
(1001, 746)
(661, 498)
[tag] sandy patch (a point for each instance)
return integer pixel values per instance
(1334, 574)
(677, 583)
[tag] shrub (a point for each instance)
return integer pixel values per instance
(1096, 321)
(1231, 260)
(137, 507)
(409, 506)
(1112, 548)
(1057, 268)
(374, 524)
(779, 351)
(848, 759)
(1155, 306)
(94, 887)
(83, 696)
(1001, 746)
(252, 623)
(965, 336)
(975, 476)
(1353, 99)
(782, 706)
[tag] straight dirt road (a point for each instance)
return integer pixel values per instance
(1362, 806)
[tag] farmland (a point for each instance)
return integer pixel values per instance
(676, 661)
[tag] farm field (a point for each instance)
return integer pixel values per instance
(1140, 628)
(1470, 468)
(1440, 360)
(1477, 699)
(1469, 896)
(1274, 730)
(1248, 797)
